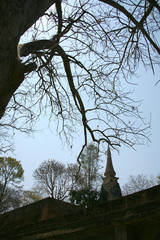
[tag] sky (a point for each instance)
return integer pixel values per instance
(44, 145)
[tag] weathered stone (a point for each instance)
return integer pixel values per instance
(133, 217)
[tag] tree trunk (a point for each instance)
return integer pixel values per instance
(16, 17)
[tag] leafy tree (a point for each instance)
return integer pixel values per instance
(87, 194)
(138, 183)
(90, 166)
(73, 63)
(84, 197)
(11, 175)
(11, 193)
(55, 179)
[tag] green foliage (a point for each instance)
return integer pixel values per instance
(84, 197)
(90, 167)
(11, 175)
(11, 171)
(87, 195)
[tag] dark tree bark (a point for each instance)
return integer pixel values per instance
(16, 17)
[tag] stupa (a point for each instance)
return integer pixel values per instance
(110, 181)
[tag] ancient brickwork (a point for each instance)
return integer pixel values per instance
(133, 217)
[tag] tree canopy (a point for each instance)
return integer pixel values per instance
(55, 179)
(11, 171)
(88, 192)
(74, 63)
(11, 175)
(90, 166)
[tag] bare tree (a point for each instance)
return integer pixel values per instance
(138, 183)
(11, 199)
(55, 179)
(76, 64)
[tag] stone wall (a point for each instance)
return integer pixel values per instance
(34, 213)
(135, 216)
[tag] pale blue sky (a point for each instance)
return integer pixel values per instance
(47, 145)
(145, 160)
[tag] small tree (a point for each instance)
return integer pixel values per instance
(138, 183)
(11, 175)
(55, 179)
(90, 167)
(87, 195)
(11, 199)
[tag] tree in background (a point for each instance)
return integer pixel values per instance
(138, 183)
(11, 199)
(55, 179)
(88, 192)
(84, 197)
(29, 196)
(76, 65)
(11, 175)
(90, 166)
(12, 194)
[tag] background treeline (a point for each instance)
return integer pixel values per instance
(77, 183)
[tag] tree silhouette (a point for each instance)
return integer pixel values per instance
(74, 65)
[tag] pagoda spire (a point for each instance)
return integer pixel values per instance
(110, 181)
(109, 167)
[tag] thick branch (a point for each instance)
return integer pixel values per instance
(59, 12)
(155, 3)
(33, 47)
(77, 98)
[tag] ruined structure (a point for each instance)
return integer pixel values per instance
(110, 182)
(133, 217)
